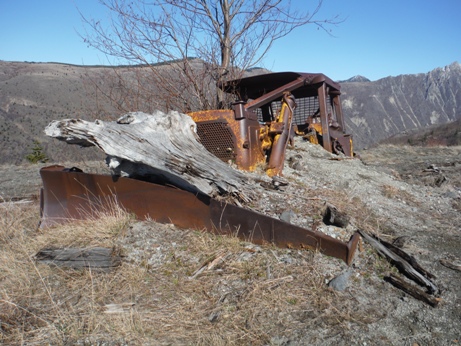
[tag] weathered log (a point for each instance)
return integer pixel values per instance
(98, 258)
(158, 147)
(415, 292)
(402, 264)
(410, 259)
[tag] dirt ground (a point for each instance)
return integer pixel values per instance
(408, 193)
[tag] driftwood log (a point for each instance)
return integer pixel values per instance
(98, 258)
(158, 147)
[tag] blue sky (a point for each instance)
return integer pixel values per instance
(377, 38)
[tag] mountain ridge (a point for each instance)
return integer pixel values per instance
(391, 105)
(34, 94)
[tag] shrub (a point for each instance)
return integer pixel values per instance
(37, 155)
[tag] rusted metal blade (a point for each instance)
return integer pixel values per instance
(260, 229)
(71, 194)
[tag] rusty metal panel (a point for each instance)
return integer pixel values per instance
(300, 84)
(231, 135)
(68, 195)
(75, 195)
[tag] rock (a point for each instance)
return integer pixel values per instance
(295, 162)
(332, 216)
(340, 282)
(287, 215)
(400, 241)
(280, 341)
(213, 317)
(451, 194)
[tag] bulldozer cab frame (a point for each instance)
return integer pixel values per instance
(247, 133)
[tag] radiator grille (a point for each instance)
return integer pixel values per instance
(218, 139)
(305, 107)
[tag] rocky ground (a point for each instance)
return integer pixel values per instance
(411, 194)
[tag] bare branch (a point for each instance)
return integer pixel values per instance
(225, 36)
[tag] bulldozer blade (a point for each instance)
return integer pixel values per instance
(70, 194)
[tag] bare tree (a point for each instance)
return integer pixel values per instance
(203, 41)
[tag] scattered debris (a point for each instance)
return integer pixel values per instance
(436, 172)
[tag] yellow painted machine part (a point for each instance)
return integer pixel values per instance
(277, 158)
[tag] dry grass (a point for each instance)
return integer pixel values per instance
(393, 192)
(207, 290)
(39, 303)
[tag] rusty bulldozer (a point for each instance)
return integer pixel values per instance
(270, 110)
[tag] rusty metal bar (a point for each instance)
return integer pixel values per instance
(339, 112)
(69, 195)
(262, 229)
(275, 94)
(324, 118)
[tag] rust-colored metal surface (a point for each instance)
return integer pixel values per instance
(68, 195)
(261, 229)
(232, 135)
(271, 86)
(72, 194)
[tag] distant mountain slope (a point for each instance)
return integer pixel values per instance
(33, 94)
(448, 134)
(377, 110)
